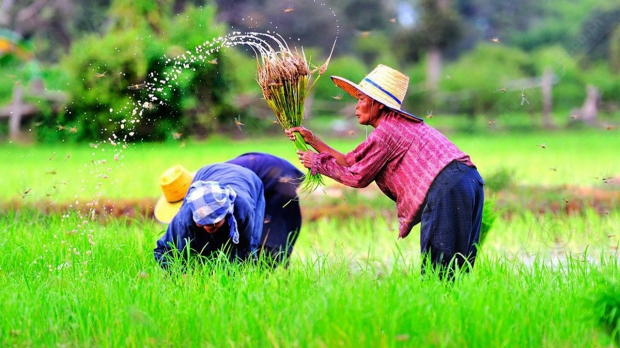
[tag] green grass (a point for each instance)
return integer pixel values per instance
(576, 158)
(78, 171)
(61, 172)
(70, 282)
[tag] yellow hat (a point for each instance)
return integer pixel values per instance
(383, 84)
(174, 183)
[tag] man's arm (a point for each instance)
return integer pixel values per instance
(173, 240)
(250, 213)
(319, 145)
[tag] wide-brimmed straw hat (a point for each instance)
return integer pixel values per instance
(384, 84)
(174, 183)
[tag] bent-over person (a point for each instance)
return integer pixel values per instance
(265, 229)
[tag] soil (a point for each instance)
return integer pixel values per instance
(332, 203)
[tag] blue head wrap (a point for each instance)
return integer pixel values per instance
(210, 203)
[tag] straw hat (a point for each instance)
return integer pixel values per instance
(383, 84)
(174, 183)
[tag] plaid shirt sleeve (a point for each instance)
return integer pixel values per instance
(365, 162)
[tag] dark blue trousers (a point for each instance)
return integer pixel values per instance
(451, 219)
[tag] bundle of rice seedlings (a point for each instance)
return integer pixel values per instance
(285, 79)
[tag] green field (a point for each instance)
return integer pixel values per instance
(567, 158)
(541, 279)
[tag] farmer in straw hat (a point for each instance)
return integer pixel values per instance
(429, 178)
(244, 207)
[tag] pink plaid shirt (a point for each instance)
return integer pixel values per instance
(403, 157)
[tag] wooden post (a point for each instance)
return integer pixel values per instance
(545, 88)
(589, 110)
(15, 117)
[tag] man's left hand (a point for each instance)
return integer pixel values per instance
(305, 157)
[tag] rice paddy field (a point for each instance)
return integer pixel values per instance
(77, 267)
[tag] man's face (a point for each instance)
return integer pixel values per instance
(367, 110)
(212, 228)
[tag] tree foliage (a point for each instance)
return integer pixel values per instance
(437, 27)
(76, 42)
(103, 67)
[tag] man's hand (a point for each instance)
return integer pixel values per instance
(305, 133)
(305, 157)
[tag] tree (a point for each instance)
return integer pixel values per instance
(134, 51)
(614, 50)
(438, 28)
(595, 37)
(309, 23)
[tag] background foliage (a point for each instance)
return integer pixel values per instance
(481, 46)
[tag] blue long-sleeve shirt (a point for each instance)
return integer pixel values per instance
(282, 211)
(183, 233)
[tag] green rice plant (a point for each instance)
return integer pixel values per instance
(285, 80)
(500, 179)
(70, 282)
(607, 305)
(489, 215)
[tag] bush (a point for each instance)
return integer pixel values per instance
(569, 90)
(601, 76)
(607, 306)
(477, 78)
(500, 179)
(348, 67)
(41, 86)
(99, 103)
(418, 98)
(489, 215)
(101, 68)
(375, 49)
(243, 69)
(12, 73)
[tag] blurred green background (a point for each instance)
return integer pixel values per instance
(70, 63)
